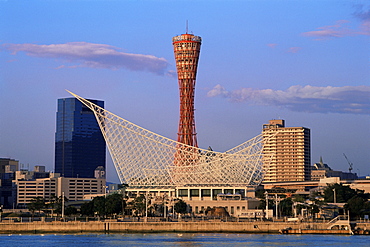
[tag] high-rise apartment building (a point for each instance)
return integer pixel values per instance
(79, 144)
(290, 152)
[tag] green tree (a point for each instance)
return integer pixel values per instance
(52, 203)
(286, 207)
(356, 200)
(59, 204)
(298, 198)
(104, 205)
(139, 205)
(99, 205)
(342, 193)
(87, 209)
(36, 204)
(161, 205)
(317, 198)
(180, 207)
(262, 204)
(260, 193)
(114, 204)
(358, 206)
(70, 210)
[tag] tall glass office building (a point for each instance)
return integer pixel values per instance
(79, 144)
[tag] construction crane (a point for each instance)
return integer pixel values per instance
(349, 163)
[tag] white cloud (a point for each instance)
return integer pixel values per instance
(339, 29)
(93, 55)
(347, 99)
(294, 49)
(172, 73)
(272, 45)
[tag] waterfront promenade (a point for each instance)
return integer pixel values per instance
(131, 227)
(37, 227)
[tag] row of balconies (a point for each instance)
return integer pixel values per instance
(286, 143)
(86, 190)
(84, 185)
(82, 181)
(297, 167)
(285, 173)
(291, 177)
(286, 158)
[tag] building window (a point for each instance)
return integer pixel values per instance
(183, 192)
(194, 192)
(228, 191)
(206, 192)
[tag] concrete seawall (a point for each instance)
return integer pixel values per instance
(152, 227)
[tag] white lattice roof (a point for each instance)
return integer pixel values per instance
(144, 158)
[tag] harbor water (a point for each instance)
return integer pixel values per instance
(181, 239)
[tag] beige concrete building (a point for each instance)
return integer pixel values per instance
(234, 199)
(238, 201)
(29, 189)
(75, 189)
(290, 152)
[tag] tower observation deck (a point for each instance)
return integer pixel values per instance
(187, 49)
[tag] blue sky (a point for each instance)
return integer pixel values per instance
(303, 61)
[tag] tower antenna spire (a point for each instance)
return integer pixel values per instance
(186, 26)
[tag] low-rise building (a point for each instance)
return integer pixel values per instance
(238, 201)
(74, 189)
(41, 187)
(321, 170)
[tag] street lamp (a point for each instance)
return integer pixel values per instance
(146, 207)
(164, 205)
(123, 202)
(276, 206)
(267, 204)
(105, 201)
(63, 205)
(1, 211)
(335, 197)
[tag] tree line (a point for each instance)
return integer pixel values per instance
(356, 201)
(105, 206)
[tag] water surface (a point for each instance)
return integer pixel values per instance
(182, 239)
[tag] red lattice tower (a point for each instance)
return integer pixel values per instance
(187, 49)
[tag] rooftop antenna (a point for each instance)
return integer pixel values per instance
(186, 26)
